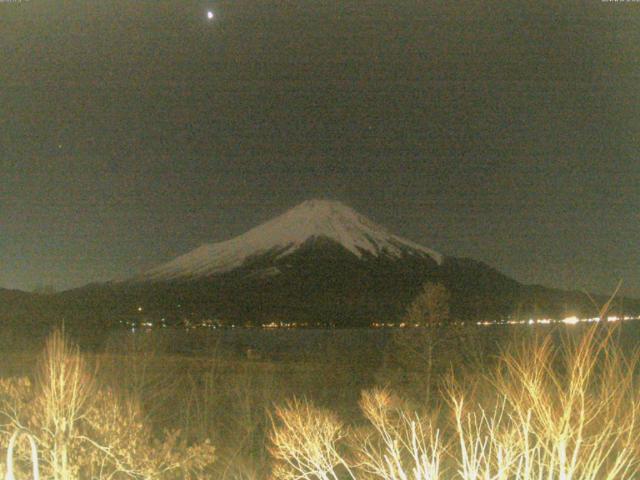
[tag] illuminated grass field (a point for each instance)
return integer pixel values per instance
(552, 402)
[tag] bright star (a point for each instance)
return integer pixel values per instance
(210, 15)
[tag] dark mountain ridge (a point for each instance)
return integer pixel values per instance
(320, 263)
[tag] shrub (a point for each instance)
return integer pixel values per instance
(307, 442)
(567, 412)
(83, 431)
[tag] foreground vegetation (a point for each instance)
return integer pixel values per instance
(438, 405)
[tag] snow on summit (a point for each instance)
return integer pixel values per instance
(286, 233)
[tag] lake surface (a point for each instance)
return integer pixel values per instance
(312, 344)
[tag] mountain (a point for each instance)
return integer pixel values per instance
(10, 295)
(9, 299)
(311, 221)
(320, 263)
(24, 309)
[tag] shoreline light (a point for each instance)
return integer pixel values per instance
(571, 320)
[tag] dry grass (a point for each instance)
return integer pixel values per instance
(83, 430)
(398, 445)
(568, 412)
(552, 413)
(540, 410)
(307, 442)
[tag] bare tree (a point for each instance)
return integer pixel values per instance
(430, 307)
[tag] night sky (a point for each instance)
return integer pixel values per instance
(134, 131)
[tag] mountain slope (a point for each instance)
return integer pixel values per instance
(288, 233)
(320, 263)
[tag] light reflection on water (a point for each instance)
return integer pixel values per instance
(307, 343)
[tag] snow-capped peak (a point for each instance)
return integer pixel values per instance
(286, 233)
